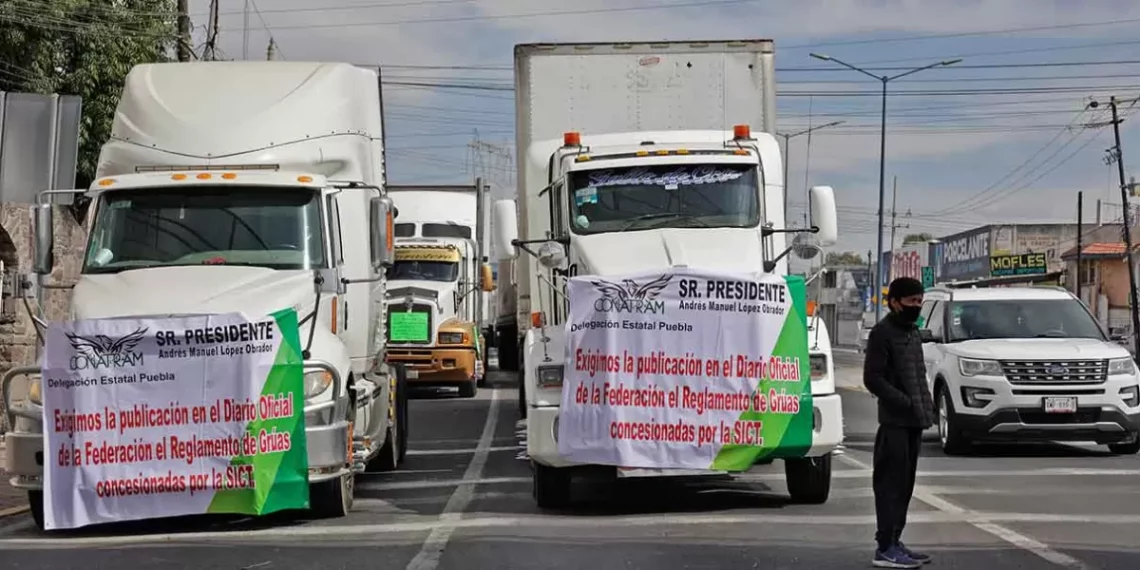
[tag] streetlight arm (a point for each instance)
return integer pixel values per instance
(812, 129)
(852, 67)
(924, 68)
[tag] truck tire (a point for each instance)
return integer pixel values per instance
(469, 388)
(809, 479)
(36, 506)
(522, 398)
(508, 349)
(551, 486)
(403, 412)
(332, 498)
(389, 457)
(952, 439)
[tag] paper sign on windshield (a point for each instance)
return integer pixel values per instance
(147, 418)
(686, 369)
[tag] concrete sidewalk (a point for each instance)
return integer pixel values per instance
(12, 501)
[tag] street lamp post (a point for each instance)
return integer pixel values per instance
(787, 140)
(884, 79)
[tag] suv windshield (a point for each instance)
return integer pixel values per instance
(278, 228)
(424, 270)
(668, 195)
(1022, 318)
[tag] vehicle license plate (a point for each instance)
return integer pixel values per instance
(1065, 405)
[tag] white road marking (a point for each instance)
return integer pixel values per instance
(1007, 534)
(458, 451)
(442, 483)
(414, 524)
(436, 542)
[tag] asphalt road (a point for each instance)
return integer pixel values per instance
(463, 501)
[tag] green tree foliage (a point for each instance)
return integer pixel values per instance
(845, 258)
(84, 48)
(917, 238)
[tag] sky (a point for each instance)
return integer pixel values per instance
(1005, 136)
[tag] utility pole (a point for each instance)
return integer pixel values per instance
(210, 51)
(245, 32)
(184, 30)
(787, 140)
(894, 212)
(1117, 154)
(271, 50)
(1080, 230)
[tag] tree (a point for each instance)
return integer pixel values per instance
(84, 48)
(917, 238)
(845, 258)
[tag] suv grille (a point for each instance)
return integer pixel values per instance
(1055, 372)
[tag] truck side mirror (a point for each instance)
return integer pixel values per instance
(486, 278)
(506, 224)
(381, 214)
(823, 215)
(44, 240)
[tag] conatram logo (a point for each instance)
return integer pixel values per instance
(631, 297)
(101, 351)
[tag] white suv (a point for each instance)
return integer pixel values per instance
(1026, 363)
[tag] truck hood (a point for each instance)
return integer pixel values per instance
(253, 291)
(1037, 349)
(725, 249)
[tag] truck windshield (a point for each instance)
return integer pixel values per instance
(1020, 318)
(277, 228)
(424, 270)
(668, 195)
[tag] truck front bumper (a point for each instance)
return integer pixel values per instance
(437, 365)
(542, 431)
(329, 446)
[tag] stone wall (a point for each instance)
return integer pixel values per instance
(17, 333)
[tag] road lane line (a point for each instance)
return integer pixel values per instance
(436, 542)
(468, 450)
(1007, 534)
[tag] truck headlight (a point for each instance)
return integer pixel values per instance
(451, 338)
(316, 383)
(818, 366)
(35, 393)
(976, 367)
(550, 376)
(1121, 366)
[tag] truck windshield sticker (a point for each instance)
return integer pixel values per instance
(408, 327)
(681, 176)
(587, 195)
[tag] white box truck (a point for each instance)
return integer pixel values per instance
(638, 115)
(247, 187)
(440, 285)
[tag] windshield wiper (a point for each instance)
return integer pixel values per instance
(662, 216)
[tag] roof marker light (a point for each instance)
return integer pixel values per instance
(572, 138)
(741, 132)
(204, 176)
(304, 179)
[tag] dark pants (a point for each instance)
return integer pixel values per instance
(895, 465)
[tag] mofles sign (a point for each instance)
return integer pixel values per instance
(1023, 264)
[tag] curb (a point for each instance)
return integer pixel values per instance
(14, 511)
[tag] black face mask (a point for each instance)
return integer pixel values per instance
(908, 314)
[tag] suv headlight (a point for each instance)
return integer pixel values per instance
(316, 383)
(977, 367)
(1121, 366)
(451, 338)
(818, 366)
(550, 376)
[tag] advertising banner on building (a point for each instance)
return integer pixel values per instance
(908, 260)
(963, 256)
(1023, 264)
(162, 417)
(686, 369)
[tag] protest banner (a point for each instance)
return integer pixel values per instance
(162, 417)
(686, 369)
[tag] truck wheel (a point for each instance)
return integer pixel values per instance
(468, 389)
(36, 506)
(951, 437)
(809, 479)
(389, 457)
(1126, 448)
(522, 398)
(402, 410)
(551, 486)
(332, 498)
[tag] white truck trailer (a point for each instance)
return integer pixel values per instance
(639, 116)
(247, 187)
(440, 285)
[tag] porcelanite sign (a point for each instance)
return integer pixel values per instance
(686, 369)
(147, 418)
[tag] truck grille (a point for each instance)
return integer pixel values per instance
(1055, 372)
(398, 311)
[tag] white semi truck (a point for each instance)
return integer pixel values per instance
(440, 285)
(606, 135)
(246, 187)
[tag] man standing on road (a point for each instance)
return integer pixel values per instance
(893, 370)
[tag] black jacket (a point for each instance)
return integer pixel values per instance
(893, 370)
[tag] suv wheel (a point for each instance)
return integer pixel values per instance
(1126, 448)
(950, 436)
